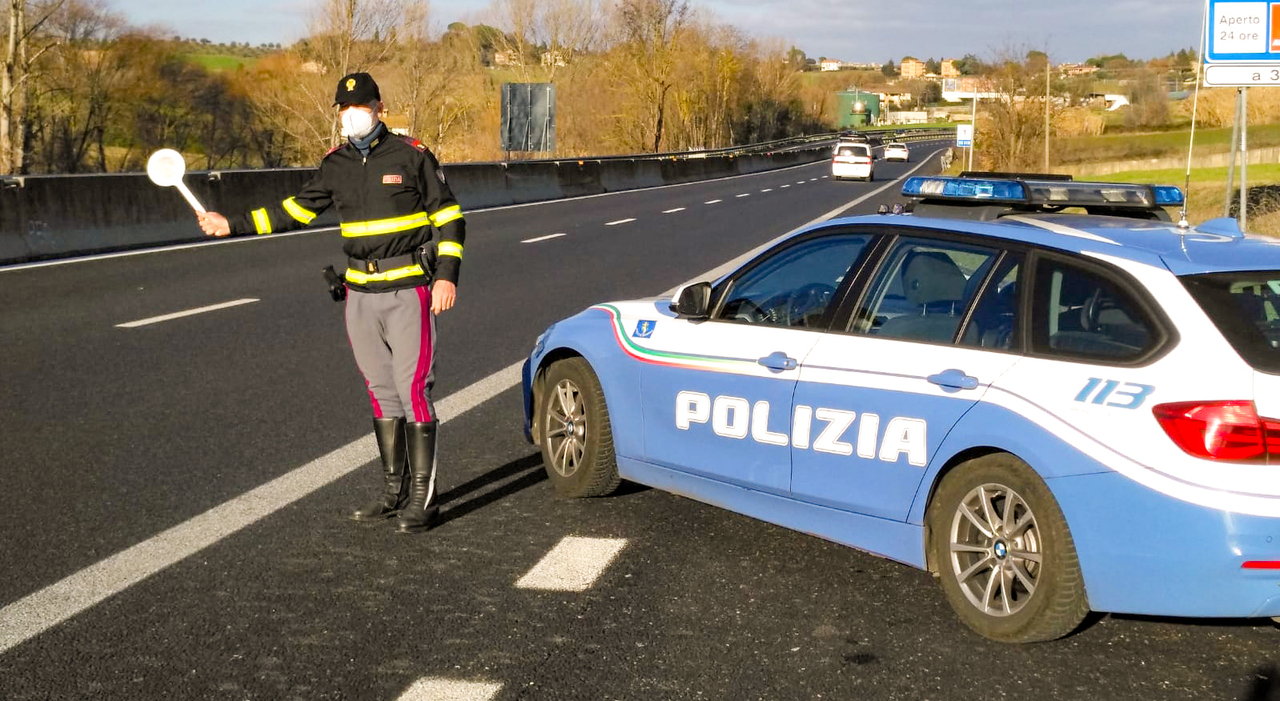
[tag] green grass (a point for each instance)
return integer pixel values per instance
(1120, 147)
(1207, 193)
(221, 62)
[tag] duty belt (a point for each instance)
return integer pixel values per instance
(379, 265)
(381, 270)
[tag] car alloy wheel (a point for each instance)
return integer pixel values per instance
(566, 428)
(995, 549)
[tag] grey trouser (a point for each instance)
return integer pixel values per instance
(393, 335)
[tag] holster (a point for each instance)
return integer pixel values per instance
(426, 257)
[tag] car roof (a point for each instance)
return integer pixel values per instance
(1182, 251)
(891, 144)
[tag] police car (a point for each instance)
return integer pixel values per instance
(1053, 412)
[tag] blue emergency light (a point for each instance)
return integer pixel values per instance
(1041, 193)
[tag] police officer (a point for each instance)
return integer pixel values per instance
(391, 195)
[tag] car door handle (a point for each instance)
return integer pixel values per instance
(778, 360)
(954, 379)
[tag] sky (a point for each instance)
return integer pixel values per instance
(849, 30)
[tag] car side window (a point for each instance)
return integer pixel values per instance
(1080, 313)
(996, 318)
(793, 287)
(923, 289)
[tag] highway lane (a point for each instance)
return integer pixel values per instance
(699, 603)
(116, 434)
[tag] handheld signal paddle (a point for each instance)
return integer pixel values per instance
(166, 168)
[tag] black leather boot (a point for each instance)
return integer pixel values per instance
(395, 491)
(420, 513)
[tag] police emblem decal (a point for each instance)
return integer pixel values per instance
(644, 328)
(392, 180)
(351, 84)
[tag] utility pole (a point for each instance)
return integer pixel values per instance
(973, 119)
(1046, 112)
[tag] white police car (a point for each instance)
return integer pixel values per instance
(1055, 413)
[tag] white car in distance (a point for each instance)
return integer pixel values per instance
(852, 161)
(896, 151)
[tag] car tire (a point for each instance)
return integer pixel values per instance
(1017, 588)
(577, 438)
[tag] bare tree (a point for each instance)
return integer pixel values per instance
(345, 36)
(648, 46)
(15, 73)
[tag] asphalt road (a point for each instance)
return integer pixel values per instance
(114, 435)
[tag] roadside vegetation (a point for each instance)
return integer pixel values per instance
(85, 92)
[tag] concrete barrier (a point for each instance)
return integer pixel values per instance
(51, 216)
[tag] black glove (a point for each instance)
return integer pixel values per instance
(337, 288)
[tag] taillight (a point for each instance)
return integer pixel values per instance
(1228, 430)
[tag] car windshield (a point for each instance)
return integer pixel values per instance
(1246, 309)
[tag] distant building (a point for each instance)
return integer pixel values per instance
(313, 67)
(1074, 69)
(831, 64)
(553, 58)
(949, 69)
(911, 68)
(507, 58)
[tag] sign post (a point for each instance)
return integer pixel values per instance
(1243, 49)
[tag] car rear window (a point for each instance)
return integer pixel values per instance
(852, 151)
(1246, 309)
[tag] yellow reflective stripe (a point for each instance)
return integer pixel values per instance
(360, 277)
(446, 215)
(297, 211)
(261, 221)
(449, 248)
(385, 226)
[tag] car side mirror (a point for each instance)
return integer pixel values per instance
(692, 301)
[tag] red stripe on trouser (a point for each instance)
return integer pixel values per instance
(421, 410)
(377, 408)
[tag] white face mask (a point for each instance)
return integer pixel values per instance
(357, 123)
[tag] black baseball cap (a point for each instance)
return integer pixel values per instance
(356, 89)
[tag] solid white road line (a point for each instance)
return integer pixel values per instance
(189, 312)
(673, 211)
(543, 238)
(574, 564)
(620, 221)
(437, 689)
(36, 613)
(712, 201)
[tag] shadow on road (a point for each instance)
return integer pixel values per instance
(1265, 686)
(529, 468)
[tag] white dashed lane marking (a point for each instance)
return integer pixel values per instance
(620, 221)
(745, 194)
(673, 211)
(179, 315)
(767, 189)
(438, 689)
(786, 186)
(573, 565)
(543, 238)
(711, 201)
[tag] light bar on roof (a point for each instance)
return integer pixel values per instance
(973, 189)
(1053, 193)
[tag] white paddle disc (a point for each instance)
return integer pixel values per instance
(166, 168)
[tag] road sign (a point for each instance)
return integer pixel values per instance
(1243, 43)
(964, 135)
